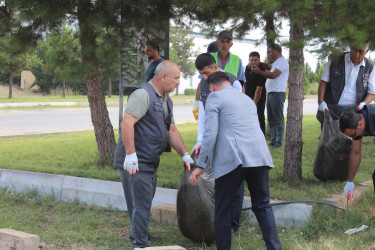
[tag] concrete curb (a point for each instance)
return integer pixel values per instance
(109, 194)
(106, 194)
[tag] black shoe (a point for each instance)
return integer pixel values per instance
(271, 144)
(277, 145)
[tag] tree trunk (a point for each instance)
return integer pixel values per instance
(177, 90)
(109, 88)
(104, 134)
(293, 142)
(10, 84)
(63, 88)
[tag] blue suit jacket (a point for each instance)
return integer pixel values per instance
(232, 133)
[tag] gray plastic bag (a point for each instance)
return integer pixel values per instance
(196, 206)
(332, 157)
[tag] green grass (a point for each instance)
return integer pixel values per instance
(77, 226)
(76, 154)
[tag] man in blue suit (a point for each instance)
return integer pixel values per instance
(239, 152)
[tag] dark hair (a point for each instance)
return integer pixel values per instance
(204, 60)
(212, 47)
(153, 44)
(349, 120)
(276, 47)
(217, 78)
(254, 53)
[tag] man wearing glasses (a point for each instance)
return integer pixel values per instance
(347, 83)
(356, 125)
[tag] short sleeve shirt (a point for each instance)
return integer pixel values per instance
(139, 102)
(279, 83)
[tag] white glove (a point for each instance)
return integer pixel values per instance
(348, 190)
(196, 110)
(197, 148)
(323, 106)
(361, 105)
(188, 161)
(131, 163)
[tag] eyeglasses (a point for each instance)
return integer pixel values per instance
(362, 52)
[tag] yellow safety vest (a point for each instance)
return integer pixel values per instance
(232, 66)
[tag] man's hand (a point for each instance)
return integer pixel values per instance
(361, 105)
(188, 161)
(131, 163)
(349, 188)
(195, 176)
(196, 109)
(255, 69)
(197, 148)
(323, 106)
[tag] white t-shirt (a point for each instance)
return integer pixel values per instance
(279, 83)
(349, 94)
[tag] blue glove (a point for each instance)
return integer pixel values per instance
(349, 188)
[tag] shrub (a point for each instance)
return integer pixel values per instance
(190, 91)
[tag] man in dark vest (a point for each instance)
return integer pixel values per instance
(356, 125)
(347, 83)
(206, 65)
(147, 130)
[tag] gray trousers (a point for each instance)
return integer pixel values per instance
(139, 190)
(275, 116)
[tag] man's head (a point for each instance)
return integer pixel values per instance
(274, 52)
(206, 65)
(166, 77)
(152, 50)
(254, 59)
(352, 124)
(212, 48)
(224, 42)
(357, 53)
(218, 80)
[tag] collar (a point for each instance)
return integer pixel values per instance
(347, 59)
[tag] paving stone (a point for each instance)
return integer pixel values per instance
(165, 214)
(16, 240)
(162, 248)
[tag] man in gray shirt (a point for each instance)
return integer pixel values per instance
(147, 130)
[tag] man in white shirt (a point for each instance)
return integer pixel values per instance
(276, 83)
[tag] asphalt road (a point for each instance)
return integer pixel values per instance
(28, 122)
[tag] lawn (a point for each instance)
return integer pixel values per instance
(76, 154)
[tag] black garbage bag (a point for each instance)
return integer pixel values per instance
(332, 157)
(196, 206)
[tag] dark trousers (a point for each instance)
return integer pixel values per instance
(225, 190)
(139, 190)
(237, 208)
(275, 116)
(261, 105)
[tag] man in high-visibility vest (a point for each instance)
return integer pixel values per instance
(227, 61)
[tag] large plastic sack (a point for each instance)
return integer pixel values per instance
(332, 157)
(196, 206)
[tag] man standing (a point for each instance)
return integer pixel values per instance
(237, 155)
(206, 65)
(152, 52)
(347, 83)
(224, 59)
(276, 83)
(356, 125)
(254, 87)
(146, 130)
